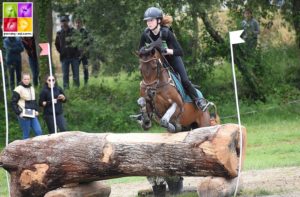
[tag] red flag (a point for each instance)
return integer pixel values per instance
(44, 47)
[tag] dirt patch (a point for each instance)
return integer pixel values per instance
(270, 182)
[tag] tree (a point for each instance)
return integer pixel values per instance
(43, 30)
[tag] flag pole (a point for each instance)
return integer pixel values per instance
(52, 86)
(6, 113)
(235, 39)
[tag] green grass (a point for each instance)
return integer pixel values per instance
(3, 183)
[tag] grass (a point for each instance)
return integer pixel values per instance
(3, 183)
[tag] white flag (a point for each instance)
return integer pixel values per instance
(235, 37)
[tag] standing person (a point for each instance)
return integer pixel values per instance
(84, 44)
(29, 45)
(25, 106)
(251, 29)
(4, 61)
(68, 53)
(45, 102)
(158, 27)
(13, 47)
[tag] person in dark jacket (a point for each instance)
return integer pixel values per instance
(29, 45)
(68, 54)
(25, 106)
(84, 48)
(13, 47)
(158, 26)
(45, 102)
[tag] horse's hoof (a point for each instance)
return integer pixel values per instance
(171, 128)
(164, 123)
(146, 126)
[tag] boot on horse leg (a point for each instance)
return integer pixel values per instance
(145, 119)
(158, 185)
(200, 103)
(175, 184)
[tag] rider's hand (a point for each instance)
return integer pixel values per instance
(164, 51)
(167, 51)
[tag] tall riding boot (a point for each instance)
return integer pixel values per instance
(201, 103)
(159, 190)
(175, 185)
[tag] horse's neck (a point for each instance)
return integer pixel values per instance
(164, 76)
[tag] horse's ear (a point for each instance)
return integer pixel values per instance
(157, 53)
(153, 51)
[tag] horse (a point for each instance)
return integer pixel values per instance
(160, 98)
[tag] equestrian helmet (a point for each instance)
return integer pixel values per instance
(152, 13)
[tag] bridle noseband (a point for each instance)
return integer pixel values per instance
(158, 67)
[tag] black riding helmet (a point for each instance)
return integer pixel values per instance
(152, 13)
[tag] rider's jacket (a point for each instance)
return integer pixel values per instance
(167, 37)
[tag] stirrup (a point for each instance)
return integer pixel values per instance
(202, 104)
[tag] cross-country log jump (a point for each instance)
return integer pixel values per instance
(44, 163)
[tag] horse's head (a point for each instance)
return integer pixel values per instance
(150, 64)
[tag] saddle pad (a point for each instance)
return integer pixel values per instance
(185, 97)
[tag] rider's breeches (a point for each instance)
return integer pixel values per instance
(179, 68)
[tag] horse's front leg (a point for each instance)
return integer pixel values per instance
(146, 121)
(165, 120)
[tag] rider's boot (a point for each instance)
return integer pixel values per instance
(201, 103)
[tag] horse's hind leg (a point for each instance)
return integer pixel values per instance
(165, 120)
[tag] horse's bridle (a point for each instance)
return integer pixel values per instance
(159, 65)
(153, 86)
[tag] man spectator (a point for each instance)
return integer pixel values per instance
(69, 54)
(29, 45)
(251, 29)
(13, 47)
(83, 44)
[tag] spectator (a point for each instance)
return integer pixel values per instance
(68, 53)
(13, 47)
(4, 61)
(25, 106)
(45, 102)
(29, 45)
(84, 44)
(251, 29)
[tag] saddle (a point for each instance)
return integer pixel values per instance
(185, 97)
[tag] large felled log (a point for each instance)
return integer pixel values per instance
(44, 163)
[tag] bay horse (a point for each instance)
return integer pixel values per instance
(160, 98)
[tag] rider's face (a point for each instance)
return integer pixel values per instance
(152, 23)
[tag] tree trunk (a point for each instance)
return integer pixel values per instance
(210, 29)
(45, 162)
(43, 23)
(296, 20)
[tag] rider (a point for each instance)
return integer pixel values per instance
(159, 27)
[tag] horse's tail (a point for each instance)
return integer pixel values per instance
(215, 113)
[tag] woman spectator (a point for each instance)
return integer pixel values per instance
(25, 106)
(46, 102)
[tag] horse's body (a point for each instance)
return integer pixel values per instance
(160, 97)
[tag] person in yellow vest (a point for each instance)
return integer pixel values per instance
(25, 106)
